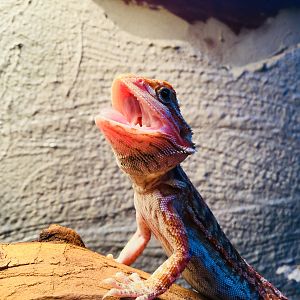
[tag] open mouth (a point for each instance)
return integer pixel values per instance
(132, 110)
(136, 111)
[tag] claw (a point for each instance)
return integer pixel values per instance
(113, 282)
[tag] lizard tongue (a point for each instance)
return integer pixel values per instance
(112, 114)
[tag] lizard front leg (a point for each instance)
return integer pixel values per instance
(137, 243)
(133, 286)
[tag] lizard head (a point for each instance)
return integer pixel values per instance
(145, 127)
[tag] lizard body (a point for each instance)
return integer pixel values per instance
(150, 139)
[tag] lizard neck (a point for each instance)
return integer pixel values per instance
(146, 184)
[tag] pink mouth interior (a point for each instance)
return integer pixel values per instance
(132, 111)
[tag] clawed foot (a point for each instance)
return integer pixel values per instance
(131, 286)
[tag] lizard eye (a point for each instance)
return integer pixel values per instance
(165, 95)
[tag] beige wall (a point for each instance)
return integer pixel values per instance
(57, 62)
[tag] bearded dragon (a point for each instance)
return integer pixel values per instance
(150, 139)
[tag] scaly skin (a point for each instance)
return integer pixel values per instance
(150, 139)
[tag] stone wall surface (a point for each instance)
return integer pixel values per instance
(57, 62)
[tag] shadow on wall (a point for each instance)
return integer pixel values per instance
(235, 14)
(232, 33)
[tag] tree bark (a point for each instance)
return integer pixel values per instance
(62, 270)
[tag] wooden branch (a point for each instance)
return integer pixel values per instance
(62, 270)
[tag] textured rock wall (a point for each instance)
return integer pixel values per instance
(57, 62)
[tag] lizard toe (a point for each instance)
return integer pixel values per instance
(122, 277)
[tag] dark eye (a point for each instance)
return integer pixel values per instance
(165, 95)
